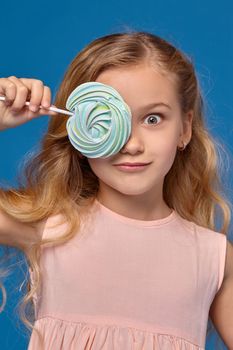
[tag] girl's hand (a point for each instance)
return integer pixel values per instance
(17, 91)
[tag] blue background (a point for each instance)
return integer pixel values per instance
(39, 40)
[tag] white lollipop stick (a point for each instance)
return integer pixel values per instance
(54, 109)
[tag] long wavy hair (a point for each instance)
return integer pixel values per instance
(57, 180)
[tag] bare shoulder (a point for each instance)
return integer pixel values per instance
(19, 234)
(229, 261)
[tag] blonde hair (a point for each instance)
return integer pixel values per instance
(57, 180)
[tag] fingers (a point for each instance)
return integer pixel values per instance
(20, 90)
(8, 89)
(46, 100)
(39, 95)
(20, 93)
(37, 89)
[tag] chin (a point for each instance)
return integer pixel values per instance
(133, 191)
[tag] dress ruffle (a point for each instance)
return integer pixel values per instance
(65, 335)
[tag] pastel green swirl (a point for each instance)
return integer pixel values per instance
(101, 123)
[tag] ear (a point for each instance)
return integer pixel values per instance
(187, 126)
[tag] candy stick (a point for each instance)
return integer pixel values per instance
(54, 109)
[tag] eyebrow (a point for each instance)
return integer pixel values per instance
(155, 105)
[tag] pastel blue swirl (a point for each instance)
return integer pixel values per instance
(101, 123)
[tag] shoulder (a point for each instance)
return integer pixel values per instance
(208, 236)
(51, 227)
(219, 242)
(214, 241)
(216, 244)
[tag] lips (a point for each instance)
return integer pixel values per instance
(132, 164)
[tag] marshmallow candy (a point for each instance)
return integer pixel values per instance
(101, 121)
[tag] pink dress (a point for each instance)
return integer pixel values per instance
(126, 284)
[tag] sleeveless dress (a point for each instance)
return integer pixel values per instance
(127, 284)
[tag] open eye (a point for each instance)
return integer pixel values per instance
(152, 118)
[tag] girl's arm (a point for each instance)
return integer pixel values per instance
(221, 310)
(14, 112)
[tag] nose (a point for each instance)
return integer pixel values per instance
(134, 144)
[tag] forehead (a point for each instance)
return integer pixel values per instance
(141, 84)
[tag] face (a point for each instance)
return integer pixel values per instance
(156, 132)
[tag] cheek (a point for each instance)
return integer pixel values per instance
(102, 170)
(169, 148)
(164, 145)
(165, 151)
(98, 167)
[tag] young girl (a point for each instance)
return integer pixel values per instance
(122, 257)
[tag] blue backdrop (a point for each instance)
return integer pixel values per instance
(39, 40)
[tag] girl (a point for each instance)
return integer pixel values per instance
(122, 257)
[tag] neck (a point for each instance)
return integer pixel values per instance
(139, 207)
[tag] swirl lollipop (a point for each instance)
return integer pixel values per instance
(101, 120)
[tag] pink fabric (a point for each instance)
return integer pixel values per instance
(126, 284)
